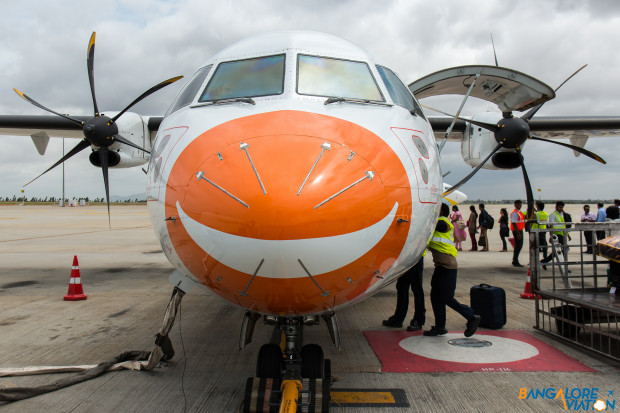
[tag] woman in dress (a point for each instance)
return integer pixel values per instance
(503, 227)
(471, 223)
(460, 234)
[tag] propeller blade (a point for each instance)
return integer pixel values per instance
(494, 54)
(573, 147)
(528, 189)
(571, 76)
(103, 157)
(90, 64)
(79, 147)
(529, 114)
(145, 94)
(121, 139)
(487, 126)
(472, 173)
(37, 104)
(535, 109)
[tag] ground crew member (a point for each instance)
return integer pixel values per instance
(557, 219)
(541, 223)
(443, 283)
(411, 279)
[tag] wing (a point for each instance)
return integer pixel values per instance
(576, 128)
(556, 127)
(41, 127)
(55, 126)
(441, 123)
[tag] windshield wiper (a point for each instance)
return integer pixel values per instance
(224, 101)
(352, 100)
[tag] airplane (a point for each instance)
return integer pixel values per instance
(295, 175)
(454, 197)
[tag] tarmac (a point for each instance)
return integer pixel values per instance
(125, 276)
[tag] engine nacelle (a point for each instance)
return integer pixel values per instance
(132, 127)
(478, 143)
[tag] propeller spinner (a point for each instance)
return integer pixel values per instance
(99, 131)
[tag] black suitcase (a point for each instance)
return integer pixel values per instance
(490, 303)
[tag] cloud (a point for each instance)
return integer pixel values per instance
(140, 43)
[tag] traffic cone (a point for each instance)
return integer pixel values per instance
(527, 291)
(75, 292)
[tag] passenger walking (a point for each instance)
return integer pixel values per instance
(460, 234)
(601, 216)
(517, 225)
(503, 228)
(443, 283)
(483, 221)
(471, 223)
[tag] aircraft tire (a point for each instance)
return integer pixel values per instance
(269, 362)
(312, 361)
(327, 370)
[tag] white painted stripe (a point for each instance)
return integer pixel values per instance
(319, 255)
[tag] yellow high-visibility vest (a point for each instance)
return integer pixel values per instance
(560, 219)
(541, 216)
(444, 241)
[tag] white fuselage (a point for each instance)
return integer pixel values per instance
(283, 203)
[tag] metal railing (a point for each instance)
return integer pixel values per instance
(573, 301)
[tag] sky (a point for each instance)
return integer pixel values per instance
(142, 42)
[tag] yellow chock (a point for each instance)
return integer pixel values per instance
(290, 395)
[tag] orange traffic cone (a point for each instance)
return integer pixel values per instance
(75, 292)
(527, 291)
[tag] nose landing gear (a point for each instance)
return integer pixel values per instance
(296, 378)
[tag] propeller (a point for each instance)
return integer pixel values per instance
(494, 54)
(100, 131)
(511, 133)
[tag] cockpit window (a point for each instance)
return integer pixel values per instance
(262, 76)
(399, 93)
(323, 76)
(189, 91)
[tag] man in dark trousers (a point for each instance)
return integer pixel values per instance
(412, 278)
(443, 283)
(601, 216)
(588, 216)
(517, 224)
(541, 223)
(483, 220)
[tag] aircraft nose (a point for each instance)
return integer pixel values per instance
(288, 212)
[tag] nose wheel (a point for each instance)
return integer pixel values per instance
(269, 362)
(291, 379)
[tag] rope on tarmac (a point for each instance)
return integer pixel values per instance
(130, 360)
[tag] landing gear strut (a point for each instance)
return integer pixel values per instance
(288, 375)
